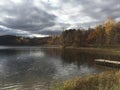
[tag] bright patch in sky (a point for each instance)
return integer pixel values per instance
(17, 1)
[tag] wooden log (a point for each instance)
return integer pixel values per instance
(111, 63)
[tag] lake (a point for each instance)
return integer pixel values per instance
(37, 68)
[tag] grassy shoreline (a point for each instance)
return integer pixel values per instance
(106, 51)
(104, 81)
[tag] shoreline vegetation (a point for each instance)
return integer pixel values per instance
(108, 80)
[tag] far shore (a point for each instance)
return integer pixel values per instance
(97, 50)
(106, 51)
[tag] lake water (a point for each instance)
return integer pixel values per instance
(37, 68)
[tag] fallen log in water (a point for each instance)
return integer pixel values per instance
(110, 63)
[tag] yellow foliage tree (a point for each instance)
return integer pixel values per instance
(100, 34)
(110, 30)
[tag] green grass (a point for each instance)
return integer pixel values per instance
(109, 80)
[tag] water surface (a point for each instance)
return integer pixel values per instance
(36, 68)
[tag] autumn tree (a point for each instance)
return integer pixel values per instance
(67, 37)
(92, 37)
(100, 34)
(109, 29)
(78, 40)
(117, 33)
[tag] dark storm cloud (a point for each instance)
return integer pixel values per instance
(27, 17)
(43, 17)
(23, 16)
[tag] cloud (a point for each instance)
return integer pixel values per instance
(35, 17)
(8, 31)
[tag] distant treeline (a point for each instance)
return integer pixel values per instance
(105, 34)
(18, 40)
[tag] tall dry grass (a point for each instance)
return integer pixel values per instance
(109, 80)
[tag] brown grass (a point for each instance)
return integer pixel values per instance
(109, 80)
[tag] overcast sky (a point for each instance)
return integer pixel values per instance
(44, 17)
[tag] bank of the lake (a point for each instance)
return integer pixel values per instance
(106, 51)
(104, 81)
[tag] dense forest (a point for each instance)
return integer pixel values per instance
(105, 34)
